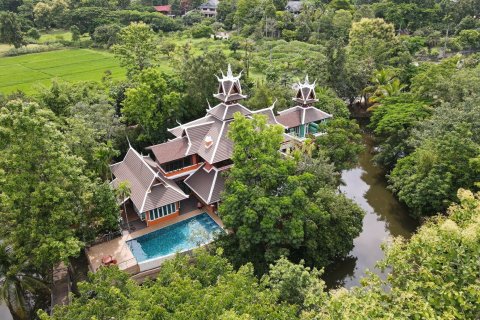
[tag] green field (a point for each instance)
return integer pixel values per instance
(28, 71)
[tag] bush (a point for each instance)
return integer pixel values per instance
(470, 39)
(35, 49)
(106, 35)
(201, 31)
(33, 34)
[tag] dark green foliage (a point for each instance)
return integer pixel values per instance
(270, 202)
(43, 189)
(197, 286)
(106, 35)
(342, 142)
(392, 122)
(10, 29)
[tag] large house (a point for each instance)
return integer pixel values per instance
(209, 8)
(192, 162)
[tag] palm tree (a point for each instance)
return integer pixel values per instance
(123, 192)
(20, 285)
(384, 84)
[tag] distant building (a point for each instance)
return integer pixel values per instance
(166, 9)
(294, 7)
(209, 8)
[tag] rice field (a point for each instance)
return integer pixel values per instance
(26, 72)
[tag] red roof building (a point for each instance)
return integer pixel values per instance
(166, 9)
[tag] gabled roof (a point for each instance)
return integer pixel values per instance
(224, 111)
(179, 130)
(171, 150)
(208, 185)
(165, 8)
(148, 189)
(299, 115)
(210, 4)
(271, 118)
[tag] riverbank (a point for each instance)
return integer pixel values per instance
(385, 217)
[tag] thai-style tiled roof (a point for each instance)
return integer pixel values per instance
(224, 111)
(299, 115)
(148, 189)
(171, 150)
(207, 185)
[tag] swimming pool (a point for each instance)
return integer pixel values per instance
(182, 236)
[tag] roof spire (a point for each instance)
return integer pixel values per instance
(305, 92)
(229, 89)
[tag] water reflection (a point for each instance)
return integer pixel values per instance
(385, 217)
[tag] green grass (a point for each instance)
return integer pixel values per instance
(26, 72)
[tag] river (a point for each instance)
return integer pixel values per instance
(385, 217)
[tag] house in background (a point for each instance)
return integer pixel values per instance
(209, 8)
(165, 9)
(191, 165)
(294, 7)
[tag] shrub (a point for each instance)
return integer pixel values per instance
(33, 33)
(201, 31)
(35, 49)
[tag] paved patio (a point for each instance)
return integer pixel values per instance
(120, 251)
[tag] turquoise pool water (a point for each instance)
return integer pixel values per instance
(178, 237)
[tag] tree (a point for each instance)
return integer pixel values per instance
(75, 33)
(433, 275)
(373, 46)
(196, 74)
(136, 48)
(43, 188)
(427, 179)
(197, 286)
(33, 33)
(106, 35)
(20, 286)
(48, 205)
(151, 103)
(10, 29)
(341, 143)
(123, 192)
(392, 122)
(270, 203)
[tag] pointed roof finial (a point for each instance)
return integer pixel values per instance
(229, 71)
(209, 106)
(306, 79)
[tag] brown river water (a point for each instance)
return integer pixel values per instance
(385, 217)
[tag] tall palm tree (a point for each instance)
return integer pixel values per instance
(123, 192)
(19, 285)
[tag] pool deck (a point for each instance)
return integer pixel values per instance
(120, 251)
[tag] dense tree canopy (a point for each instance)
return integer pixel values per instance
(277, 206)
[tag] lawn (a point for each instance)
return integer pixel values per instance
(28, 71)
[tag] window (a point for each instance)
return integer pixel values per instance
(295, 131)
(177, 164)
(162, 211)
